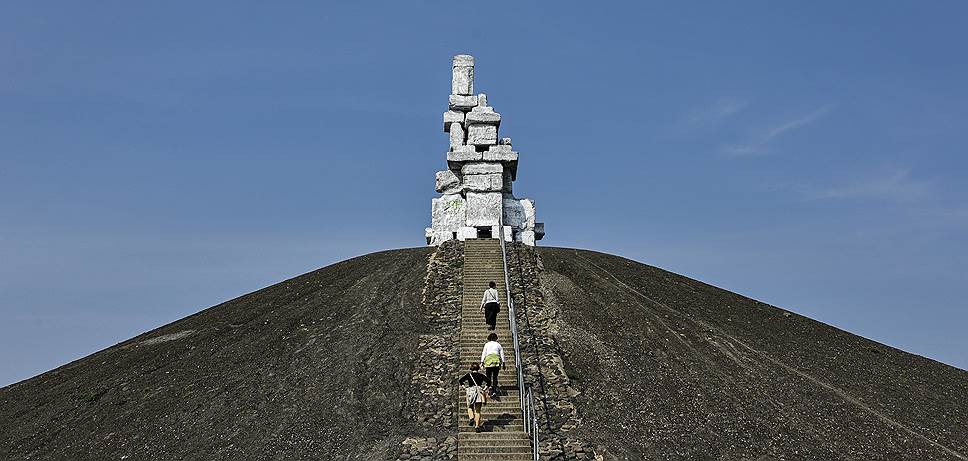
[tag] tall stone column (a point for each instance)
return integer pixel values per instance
(462, 79)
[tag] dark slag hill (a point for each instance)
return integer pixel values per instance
(311, 368)
(672, 368)
(317, 367)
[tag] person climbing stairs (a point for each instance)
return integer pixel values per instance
(503, 437)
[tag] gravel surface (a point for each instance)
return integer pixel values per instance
(316, 367)
(671, 368)
(658, 366)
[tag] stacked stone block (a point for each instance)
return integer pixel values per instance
(476, 188)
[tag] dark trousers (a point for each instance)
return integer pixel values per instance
(492, 376)
(490, 314)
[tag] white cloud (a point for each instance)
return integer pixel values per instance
(894, 185)
(759, 145)
(723, 108)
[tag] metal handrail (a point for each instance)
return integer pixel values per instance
(526, 396)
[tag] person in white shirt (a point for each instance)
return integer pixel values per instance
(490, 306)
(492, 359)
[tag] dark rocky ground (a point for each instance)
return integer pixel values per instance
(657, 366)
(316, 367)
(671, 368)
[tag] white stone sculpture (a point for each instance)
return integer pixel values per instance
(476, 186)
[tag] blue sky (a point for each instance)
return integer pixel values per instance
(159, 159)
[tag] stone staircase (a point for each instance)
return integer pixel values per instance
(503, 438)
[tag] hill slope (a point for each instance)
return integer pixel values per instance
(669, 367)
(310, 368)
(320, 367)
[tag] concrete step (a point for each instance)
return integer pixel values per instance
(508, 390)
(490, 442)
(481, 332)
(509, 365)
(472, 354)
(479, 341)
(507, 412)
(506, 398)
(493, 457)
(505, 404)
(496, 426)
(499, 453)
(498, 449)
(498, 415)
(470, 436)
(469, 345)
(474, 347)
(512, 406)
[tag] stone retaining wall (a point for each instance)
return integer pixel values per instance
(437, 362)
(540, 326)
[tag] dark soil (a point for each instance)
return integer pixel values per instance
(319, 367)
(672, 368)
(316, 367)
